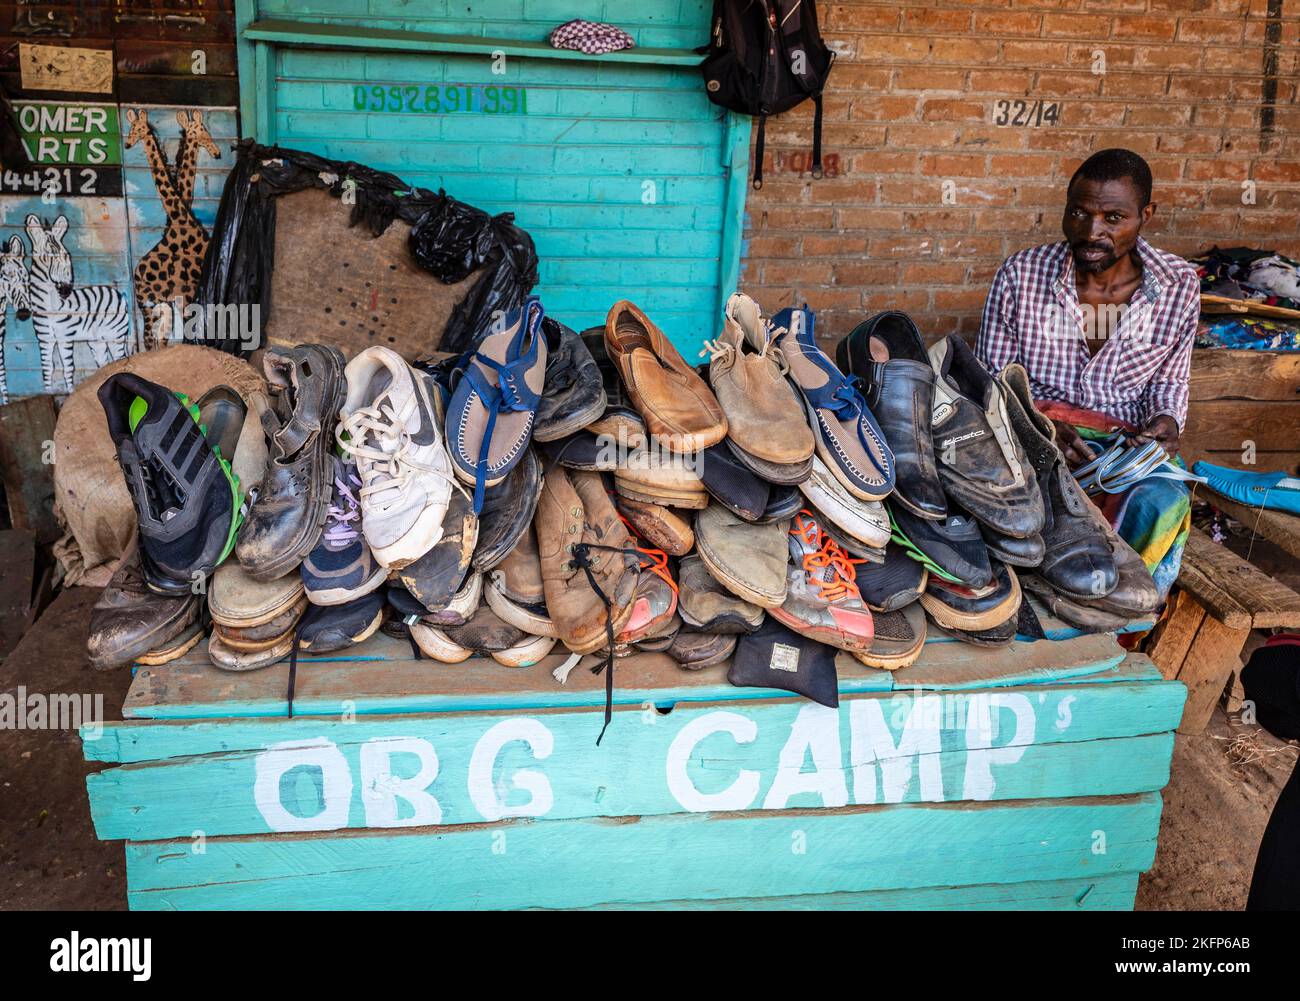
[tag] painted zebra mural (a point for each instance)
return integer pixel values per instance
(63, 314)
(13, 292)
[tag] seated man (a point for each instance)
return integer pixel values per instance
(1104, 324)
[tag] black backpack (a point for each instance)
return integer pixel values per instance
(754, 57)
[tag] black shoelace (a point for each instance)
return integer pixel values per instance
(582, 558)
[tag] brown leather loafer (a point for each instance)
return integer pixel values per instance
(678, 407)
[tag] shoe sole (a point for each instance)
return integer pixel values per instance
(175, 648)
(893, 660)
(907, 505)
(525, 654)
(511, 614)
(401, 554)
(855, 536)
(950, 618)
(1011, 559)
(888, 662)
(242, 646)
(667, 498)
(737, 587)
(226, 659)
(575, 424)
(437, 645)
(783, 474)
(262, 618)
(828, 637)
(342, 595)
(468, 478)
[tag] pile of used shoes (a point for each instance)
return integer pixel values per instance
(599, 492)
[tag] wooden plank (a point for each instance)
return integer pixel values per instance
(1278, 527)
(25, 428)
(191, 688)
(580, 863)
(1226, 373)
(1104, 893)
(465, 769)
(1226, 425)
(1214, 655)
(1222, 304)
(17, 564)
(1136, 679)
(1236, 593)
(1175, 632)
(349, 36)
(1192, 453)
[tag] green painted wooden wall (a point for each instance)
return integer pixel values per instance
(630, 181)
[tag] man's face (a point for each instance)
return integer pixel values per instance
(1102, 221)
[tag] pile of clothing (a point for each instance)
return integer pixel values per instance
(598, 491)
(1249, 275)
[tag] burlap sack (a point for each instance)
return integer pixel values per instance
(90, 495)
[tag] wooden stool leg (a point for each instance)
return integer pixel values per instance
(1211, 659)
(1173, 634)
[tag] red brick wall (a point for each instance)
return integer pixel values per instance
(912, 103)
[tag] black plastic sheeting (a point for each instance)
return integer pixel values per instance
(449, 239)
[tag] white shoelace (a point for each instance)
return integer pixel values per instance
(390, 465)
(717, 348)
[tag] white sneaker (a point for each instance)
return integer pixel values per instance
(389, 425)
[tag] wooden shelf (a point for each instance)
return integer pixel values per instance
(347, 36)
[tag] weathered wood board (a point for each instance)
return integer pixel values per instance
(1023, 777)
(612, 860)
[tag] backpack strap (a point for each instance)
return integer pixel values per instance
(758, 152)
(817, 137)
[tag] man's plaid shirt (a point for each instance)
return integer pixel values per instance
(1033, 316)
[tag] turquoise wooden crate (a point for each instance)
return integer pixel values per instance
(631, 183)
(1022, 777)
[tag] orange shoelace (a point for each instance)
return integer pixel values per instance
(828, 555)
(658, 564)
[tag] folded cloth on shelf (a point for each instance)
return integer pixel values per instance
(592, 37)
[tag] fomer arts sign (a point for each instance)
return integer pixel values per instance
(933, 747)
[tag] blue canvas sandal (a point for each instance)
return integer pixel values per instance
(494, 398)
(848, 438)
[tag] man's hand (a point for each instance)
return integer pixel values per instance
(1163, 429)
(1072, 445)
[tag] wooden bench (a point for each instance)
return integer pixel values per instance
(974, 778)
(1219, 600)
(1236, 397)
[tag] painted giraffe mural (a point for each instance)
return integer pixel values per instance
(169, 273)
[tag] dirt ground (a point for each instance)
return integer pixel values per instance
(1223, 787)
